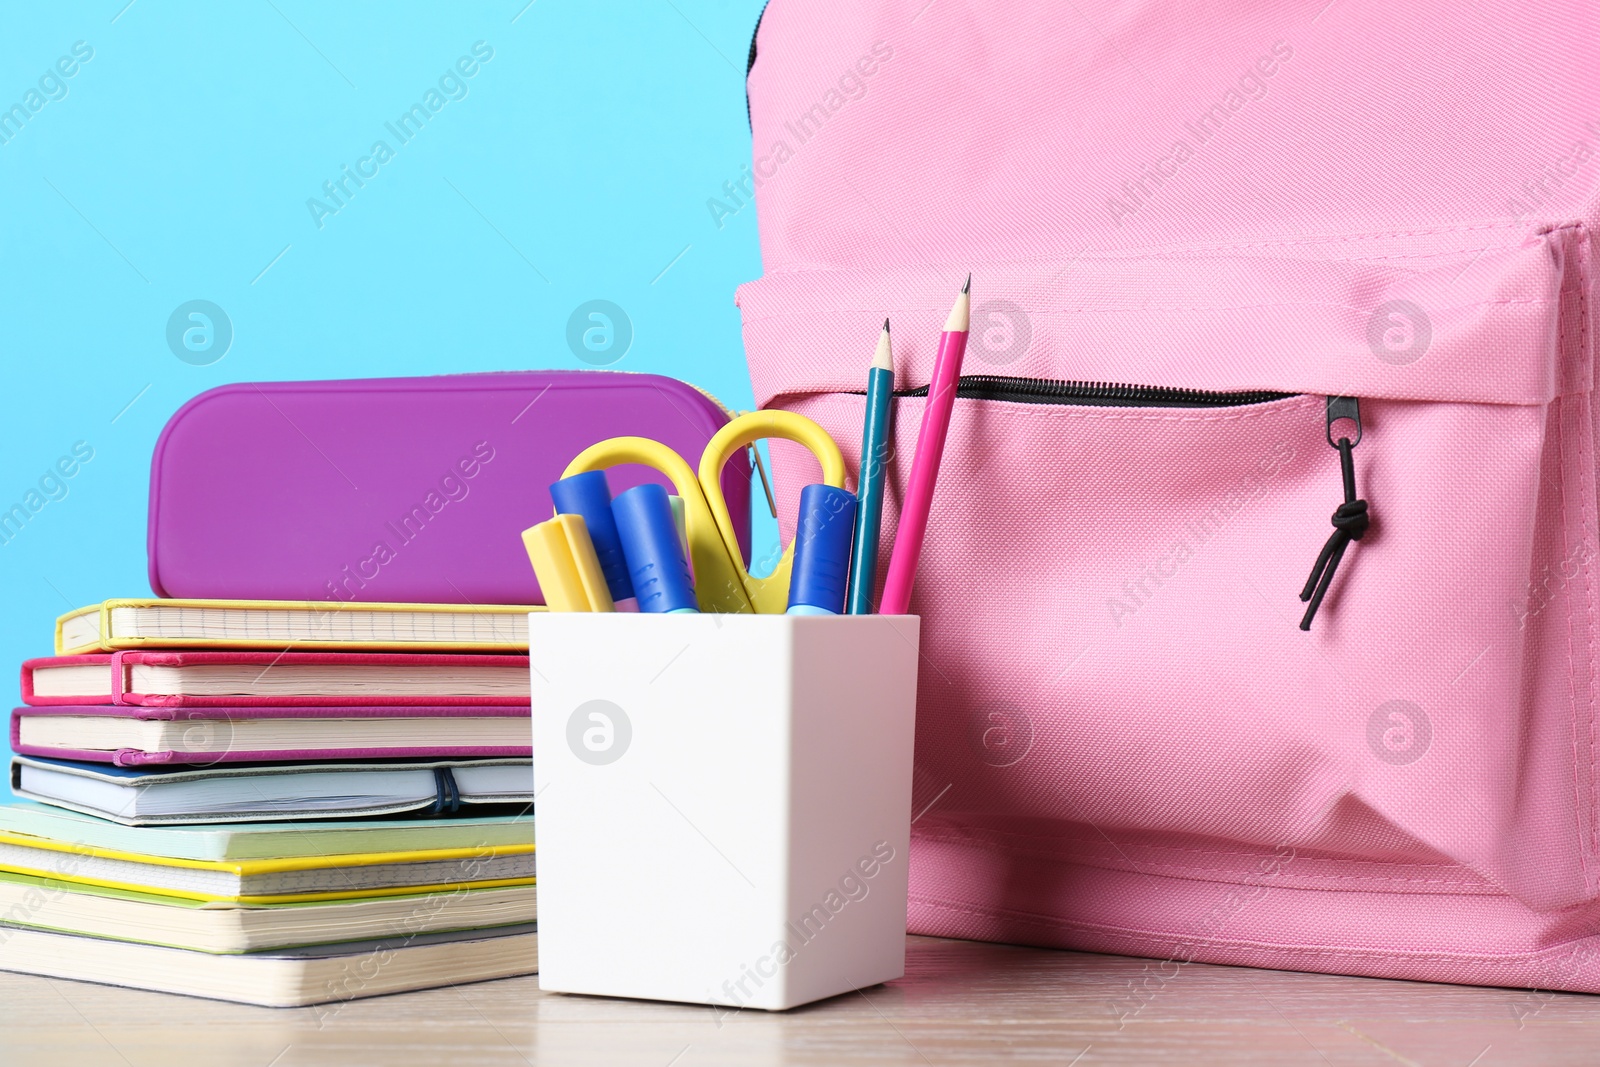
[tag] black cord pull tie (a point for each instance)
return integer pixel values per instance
(1350, 519)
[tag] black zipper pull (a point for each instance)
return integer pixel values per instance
(1350, 519)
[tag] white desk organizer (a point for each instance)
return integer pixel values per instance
(723, 804)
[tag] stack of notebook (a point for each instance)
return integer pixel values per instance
(178, 751)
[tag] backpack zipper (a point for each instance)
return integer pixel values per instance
(1096, 394)
(1350, 520)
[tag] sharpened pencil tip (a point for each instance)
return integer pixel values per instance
(883, 358)
(960, 311)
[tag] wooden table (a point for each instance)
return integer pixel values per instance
(960, 1003)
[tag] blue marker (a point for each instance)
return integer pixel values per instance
(822, 551)
(589, 495)
(656, 565)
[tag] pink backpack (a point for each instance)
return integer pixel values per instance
(1189, 228)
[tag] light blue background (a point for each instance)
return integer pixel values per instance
(178, 167)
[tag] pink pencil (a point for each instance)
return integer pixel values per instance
(925, 464)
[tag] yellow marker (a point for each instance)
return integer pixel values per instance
(565, 563)
(721, 583)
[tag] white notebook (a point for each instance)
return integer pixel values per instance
(281, 978)
(160, 623)
(229, 792)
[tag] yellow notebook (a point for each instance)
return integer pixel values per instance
(271, 881)
(150, 623)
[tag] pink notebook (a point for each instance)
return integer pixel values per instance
(276, 679)
(144, 737)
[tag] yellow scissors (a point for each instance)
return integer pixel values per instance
(721, 582)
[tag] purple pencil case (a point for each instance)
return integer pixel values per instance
(397, 489)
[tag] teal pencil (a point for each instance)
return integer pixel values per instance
(874, 461)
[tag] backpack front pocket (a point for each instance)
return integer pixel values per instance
(1111, 584)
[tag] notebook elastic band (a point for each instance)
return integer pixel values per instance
(448, 799)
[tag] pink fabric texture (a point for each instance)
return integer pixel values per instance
(1124, 742)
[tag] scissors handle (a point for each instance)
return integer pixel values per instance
(769, 595)
(719, 576)
(722, 584)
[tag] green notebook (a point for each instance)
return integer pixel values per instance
(266, 840)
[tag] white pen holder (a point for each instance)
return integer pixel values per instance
(723, 803)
